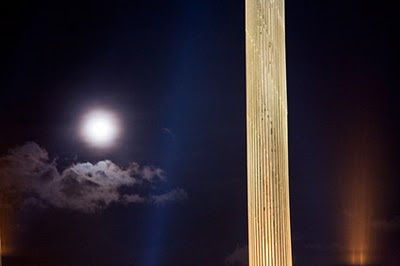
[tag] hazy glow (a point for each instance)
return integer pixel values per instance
(360, 201)
(100, 128)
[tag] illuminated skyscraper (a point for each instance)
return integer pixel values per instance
(267, 142)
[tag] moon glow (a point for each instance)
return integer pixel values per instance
(100, 128)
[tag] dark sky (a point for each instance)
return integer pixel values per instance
(174, 71)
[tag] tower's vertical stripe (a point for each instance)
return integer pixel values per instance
(267, 149)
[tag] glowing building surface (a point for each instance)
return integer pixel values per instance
(267, 144)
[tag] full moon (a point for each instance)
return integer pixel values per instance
(100, 128)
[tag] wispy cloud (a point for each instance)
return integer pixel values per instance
(387, 225)
(173, 195)
(29, 176)
(238, 257)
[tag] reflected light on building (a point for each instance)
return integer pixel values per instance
(269, 230)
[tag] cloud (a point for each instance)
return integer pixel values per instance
(390, 225)
(133, 199)
(173, 195)
(167, 131)
(325, 247)
(238, 257)
(28, 176)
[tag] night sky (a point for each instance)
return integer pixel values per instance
(174, 74)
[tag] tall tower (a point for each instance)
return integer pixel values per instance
(267, 141)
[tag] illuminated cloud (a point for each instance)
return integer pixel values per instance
(173, 195)
(29, 177)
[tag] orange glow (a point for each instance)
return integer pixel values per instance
(7, 220)
(360, 204)
(358, 217)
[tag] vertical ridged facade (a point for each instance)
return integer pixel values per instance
(267, 141)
